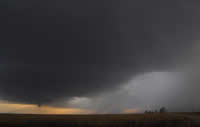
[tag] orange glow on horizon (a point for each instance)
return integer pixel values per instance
(134, 110)
(34, 109)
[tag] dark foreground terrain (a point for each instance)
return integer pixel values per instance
(136, 120)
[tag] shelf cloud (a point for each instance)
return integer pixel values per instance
(55, 49)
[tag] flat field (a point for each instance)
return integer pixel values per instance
(128, 120)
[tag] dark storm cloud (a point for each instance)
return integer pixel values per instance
(59, 49)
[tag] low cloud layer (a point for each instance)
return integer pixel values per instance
(148, 91)
(54, 50)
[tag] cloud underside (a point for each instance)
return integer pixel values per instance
(63, 49)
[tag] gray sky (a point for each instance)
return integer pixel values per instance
(106, 55)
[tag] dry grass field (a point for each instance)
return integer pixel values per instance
(131, 120)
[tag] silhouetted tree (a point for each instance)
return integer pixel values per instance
(163, 110)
